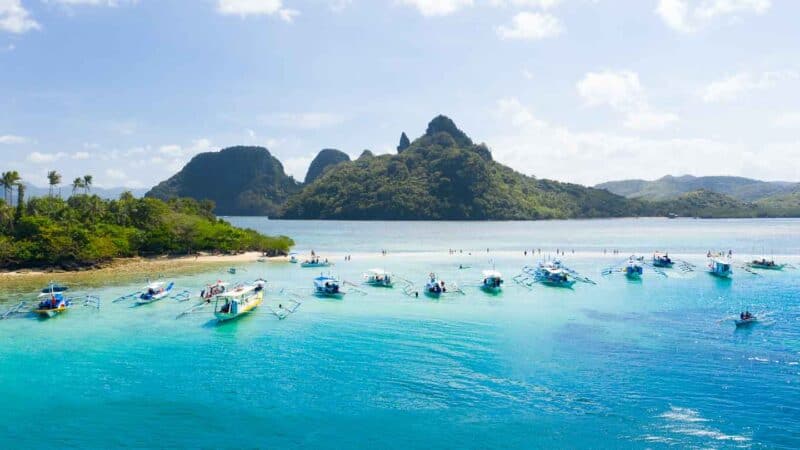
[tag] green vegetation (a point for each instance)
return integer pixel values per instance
(444, 175)
(86, 230)
(324, 160)
(239, 180)
(670, 188)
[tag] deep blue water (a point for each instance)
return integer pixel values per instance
(620, 364)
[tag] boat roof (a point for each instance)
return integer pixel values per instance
(378, 271)
(492, 274)
(238, 292)
(324, 278)
(720, 261)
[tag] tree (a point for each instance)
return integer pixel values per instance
(87, 183)
(404, 143)
(20, 203)
(9, 180)
(77, 183)
(54, 178)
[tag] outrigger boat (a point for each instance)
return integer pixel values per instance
(213, 290)
(327, 286)
(745, 319)
(552, 274)
(315, 262)
(633, 269)
(492, 281)
(52, 303)
(435, 287)
(233, 304)
(293, 258)
(765, 264)
(719, 267)
(154, 292)
(662, 260)
(378, 278)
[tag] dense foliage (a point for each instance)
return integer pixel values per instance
(240, 180)
(670, 187)
(443, 175)
(324, 160)
(86, 230)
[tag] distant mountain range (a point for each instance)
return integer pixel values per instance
(66, 191)
(670, 187)
(443, 174)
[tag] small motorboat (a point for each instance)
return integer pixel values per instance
(765, 264)
(293, 258)
(662, 260)
(745, 319)
(52, 303)
(213, 290)
(233, 304)
(719, 267)
(315, 262)
(633, 269)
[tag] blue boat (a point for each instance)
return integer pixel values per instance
(492, 281)
(327, 286)
(633, 269)
(434, 288)
(662, 260)
(154, 292)
(553, 274)
(52, 303)
(719, 267)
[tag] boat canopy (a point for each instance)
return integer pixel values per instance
(492, 274)
(238, 292)
(378, 272)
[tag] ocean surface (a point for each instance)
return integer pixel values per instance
(651, 364)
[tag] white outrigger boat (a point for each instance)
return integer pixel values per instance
(237, 302)
(315, 262)
(662, 260)
(154, 292)
(552, 274)
(492, 281)
(719, 267)
(378, 278)
(51, 301)
(745, 319)
(327, 286)
(765, 264)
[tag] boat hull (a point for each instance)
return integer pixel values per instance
(766, 266)
(311, 265)
(253, 304)
(46, 313)
(744, 322)
(338, 295)
(722, 275)
(558, 284)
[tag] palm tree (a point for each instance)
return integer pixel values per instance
(54, 178)
(8, 181)
(87, 183)
(77, 183)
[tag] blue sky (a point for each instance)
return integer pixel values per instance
(576, 90)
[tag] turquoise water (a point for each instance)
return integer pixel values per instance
(620, 364)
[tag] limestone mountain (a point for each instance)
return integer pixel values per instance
(240, 181)
(325, 159)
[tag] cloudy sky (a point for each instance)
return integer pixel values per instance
(575, 90)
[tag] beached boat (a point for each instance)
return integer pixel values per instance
(213, 290)
(315, 262)
(154, 292)
(765, 264)
(662, 260)
(492, 281)
(720, 267)
(552, 274)
(293, 258)
(378, 278)
(237, 302)
(327, 286)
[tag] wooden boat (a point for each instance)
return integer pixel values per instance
(154, 292)
(293, 258)
(553, 275)
(662, 260)
(378, 278)
(633, 269)
(434, 287)
(213, 290)
(765, 264)
(327, 286)
(745, 319)
(52, 303)
(237, 302)
(719, 267)
(492, 281)
(315, 262)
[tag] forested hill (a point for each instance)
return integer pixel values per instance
(670, 187)
(444, 175)
(239, 180)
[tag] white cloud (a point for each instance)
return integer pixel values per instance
(14, 18)
(44, 158)
(622, 91)
(11, 139)
(534, 146)
(541, 4)
(688, 16)
(437, 7)
(339, 5)
(787, 120)
(531, 26)
(81, 155)
(246, 8)
(734, 86)
(112, 3)
(306, 121)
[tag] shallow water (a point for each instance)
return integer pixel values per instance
(619, 364)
